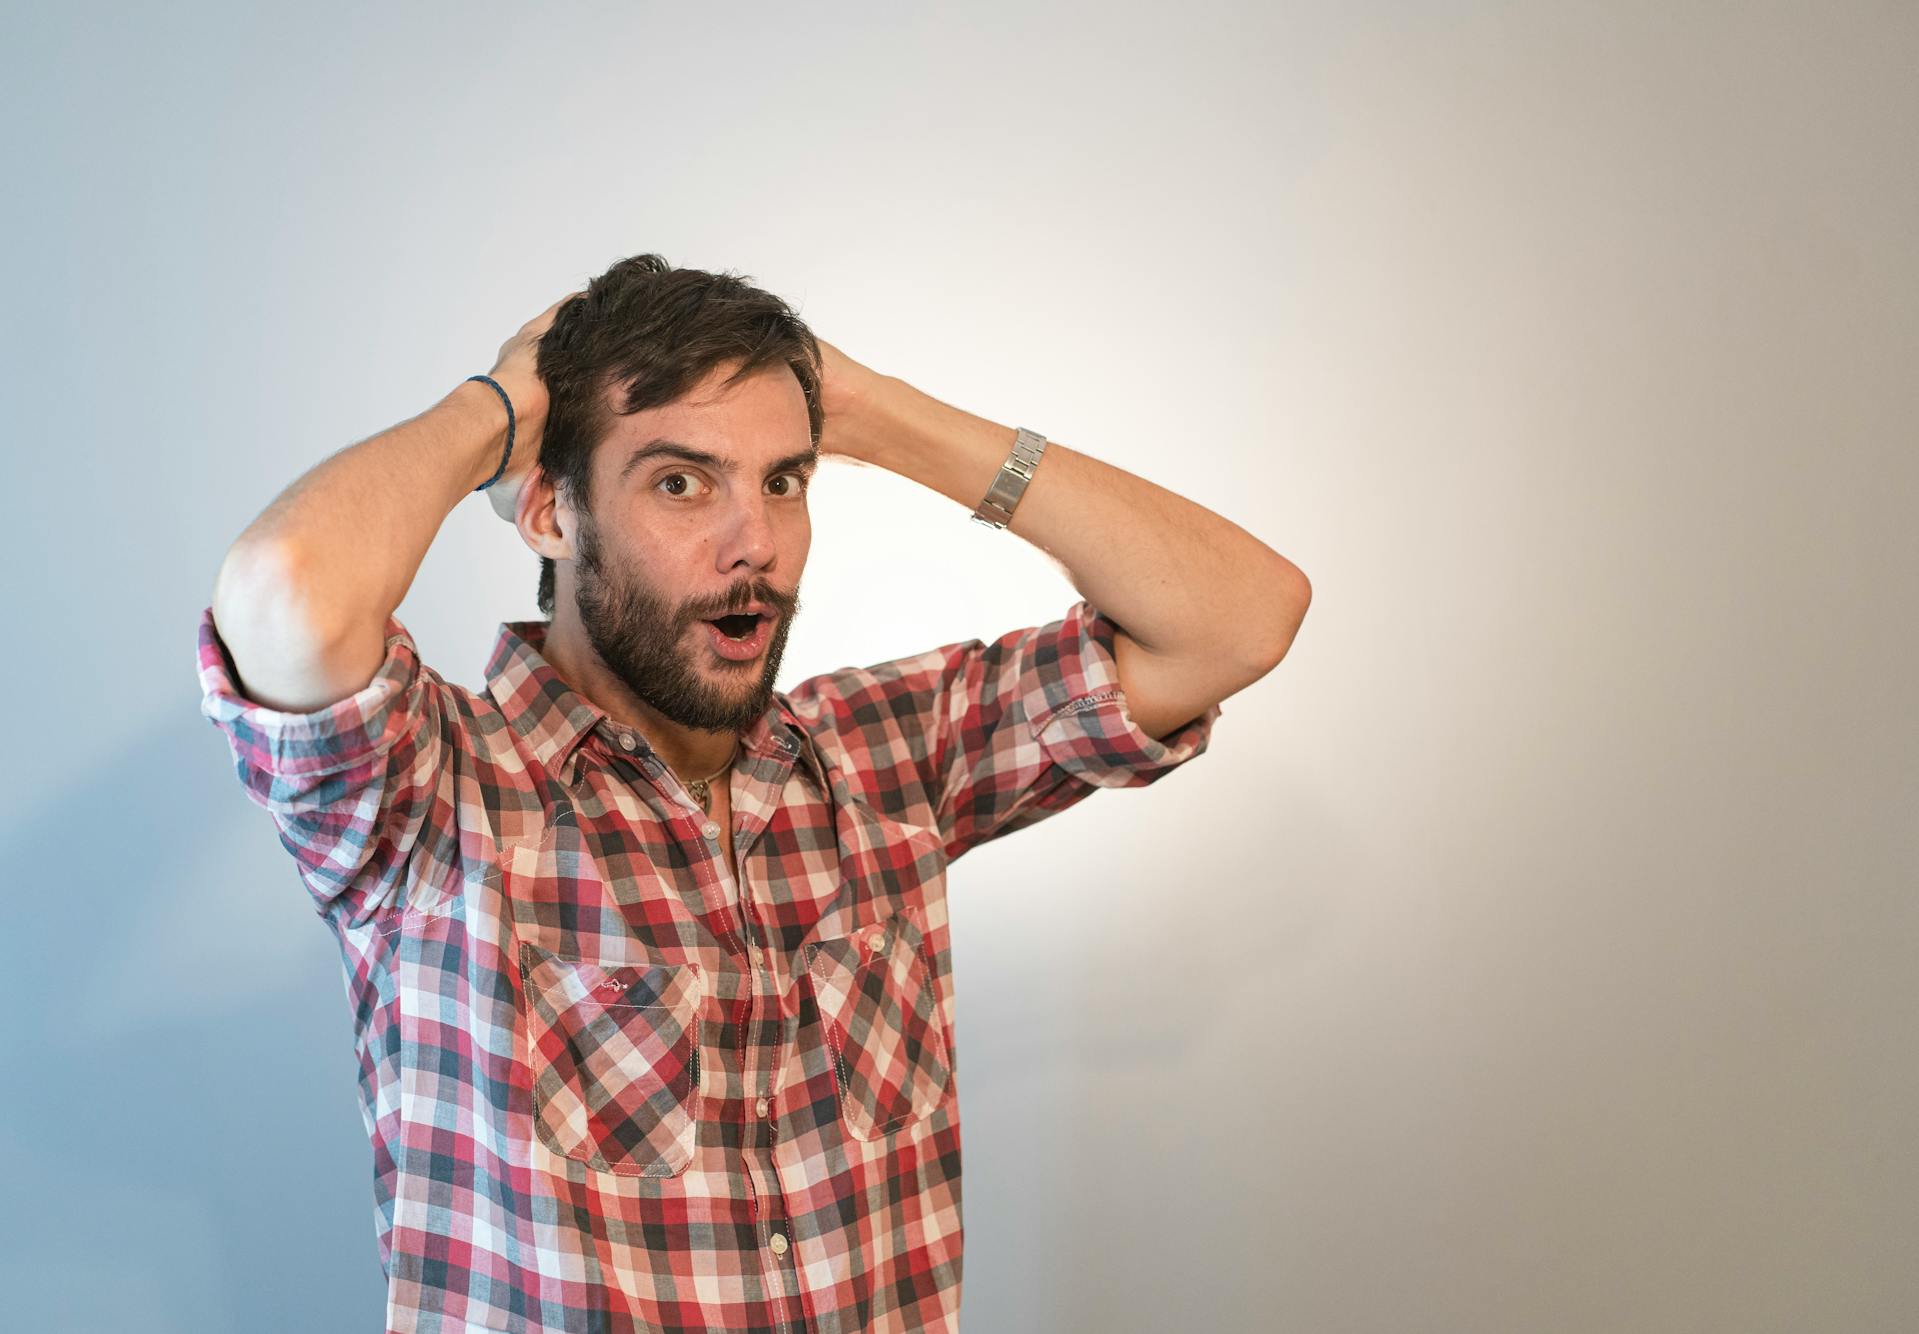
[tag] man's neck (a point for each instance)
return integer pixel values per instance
(688, 752)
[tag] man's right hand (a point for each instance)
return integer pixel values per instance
(517, 371)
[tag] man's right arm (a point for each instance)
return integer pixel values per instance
(336, 726)
(303, 596)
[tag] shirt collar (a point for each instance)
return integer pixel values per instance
(552, 719)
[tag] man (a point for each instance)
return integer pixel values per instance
(649, 961)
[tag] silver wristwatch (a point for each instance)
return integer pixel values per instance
(996, 510)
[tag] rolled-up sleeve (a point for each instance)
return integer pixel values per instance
(1079, 712)
(361, 790)
(1001, 735)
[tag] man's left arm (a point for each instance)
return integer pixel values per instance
(1205, 608)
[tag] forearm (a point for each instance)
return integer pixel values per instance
(351, 532)
(1182, 581)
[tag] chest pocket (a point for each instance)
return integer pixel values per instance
(616, 1060)
(881, 1012)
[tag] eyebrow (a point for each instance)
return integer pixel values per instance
(672, 449)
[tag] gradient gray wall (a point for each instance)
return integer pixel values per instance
(1532, 951)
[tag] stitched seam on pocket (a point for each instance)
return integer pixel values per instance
(826, 1022)
(929, 975)
(595, 1158)
(598, 1161)
(845, 1083)
(930, 970)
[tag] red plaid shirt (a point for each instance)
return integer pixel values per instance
(610, 1087)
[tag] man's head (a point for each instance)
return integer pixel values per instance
(682, 427)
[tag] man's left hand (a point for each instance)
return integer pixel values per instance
(852, 397)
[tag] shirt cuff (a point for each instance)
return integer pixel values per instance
(297, 746)
(1081, 719)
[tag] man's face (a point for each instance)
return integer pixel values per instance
(673, 542)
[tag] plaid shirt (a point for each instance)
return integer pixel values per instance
(611, 1087)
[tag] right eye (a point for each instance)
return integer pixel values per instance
(669, 477)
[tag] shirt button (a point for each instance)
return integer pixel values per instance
(626, 741)
(760, 1107)
(710, 829)
(778, 1243)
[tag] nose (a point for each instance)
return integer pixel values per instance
(750, 539)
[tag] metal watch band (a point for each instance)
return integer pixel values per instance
(1009, 484)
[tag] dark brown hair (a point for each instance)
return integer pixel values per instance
(649, 332)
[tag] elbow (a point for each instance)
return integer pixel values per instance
(1277, 642)
(257, 597)
(248, 577)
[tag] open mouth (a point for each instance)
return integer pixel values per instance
(740, 638)
(738, 627)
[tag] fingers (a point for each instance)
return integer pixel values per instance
(540, 323)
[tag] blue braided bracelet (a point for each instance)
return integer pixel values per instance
(509, 430)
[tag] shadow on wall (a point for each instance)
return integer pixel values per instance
(183, 1148)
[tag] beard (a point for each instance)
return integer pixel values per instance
(642, 635)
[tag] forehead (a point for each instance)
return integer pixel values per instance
(751, 422)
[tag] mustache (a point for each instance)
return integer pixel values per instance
(775, 605)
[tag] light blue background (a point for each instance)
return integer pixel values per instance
(1533, 949)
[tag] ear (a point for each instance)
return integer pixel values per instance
(545, 522)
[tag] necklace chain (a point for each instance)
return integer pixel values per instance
(698, 786)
